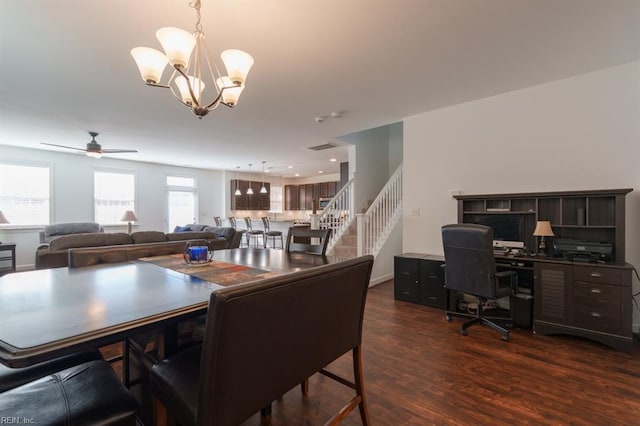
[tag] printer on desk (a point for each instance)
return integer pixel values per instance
(582, 251)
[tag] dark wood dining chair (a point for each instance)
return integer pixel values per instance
(234, 225)
(258, 345)
(306, 240)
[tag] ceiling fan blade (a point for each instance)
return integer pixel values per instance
(63, 146)
(116, 151)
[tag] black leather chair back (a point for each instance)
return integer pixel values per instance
(470, 265)
(306, 235)
(265, 337)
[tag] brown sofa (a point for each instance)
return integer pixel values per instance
(139, 244)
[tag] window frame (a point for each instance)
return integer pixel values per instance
(115, 171)
(179, 188)
(43, 164)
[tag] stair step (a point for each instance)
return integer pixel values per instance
(345, 251)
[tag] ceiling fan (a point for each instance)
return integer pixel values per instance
(93, 149)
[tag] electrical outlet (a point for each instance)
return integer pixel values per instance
(415, 212)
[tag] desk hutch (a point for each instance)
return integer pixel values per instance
(591, 300)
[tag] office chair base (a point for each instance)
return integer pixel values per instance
(486, 321)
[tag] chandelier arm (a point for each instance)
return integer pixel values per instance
(164, 86)
(213, 105)
(186, 77)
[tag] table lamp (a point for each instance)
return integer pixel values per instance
(129, 216)
(3, 219)
(543, 229)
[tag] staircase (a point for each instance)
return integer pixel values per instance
(363, 233)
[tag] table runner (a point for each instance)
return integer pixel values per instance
(218, 272)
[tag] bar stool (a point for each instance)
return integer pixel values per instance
(217, 220)
(232, 221)
(253, 233)
(268, 233)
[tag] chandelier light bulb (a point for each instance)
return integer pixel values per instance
(177, 44)
(238, 64)
(151, 63)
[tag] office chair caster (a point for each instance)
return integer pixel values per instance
(505, 336)
(448, 317)
(464, 331)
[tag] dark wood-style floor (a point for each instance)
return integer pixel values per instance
(420, 370)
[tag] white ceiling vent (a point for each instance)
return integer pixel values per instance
(322, 147)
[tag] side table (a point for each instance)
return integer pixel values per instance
(7, 258)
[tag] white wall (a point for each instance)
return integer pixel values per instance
(72, 193)
(579, 133)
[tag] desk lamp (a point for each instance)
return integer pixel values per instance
(3, 219)
(543, 229)
(129, 215)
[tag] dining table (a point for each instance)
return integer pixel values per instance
(49, 313)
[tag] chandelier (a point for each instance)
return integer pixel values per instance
(192, 70)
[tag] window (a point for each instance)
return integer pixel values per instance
(181, 201)
(276, 199)
(24, 194)
(113, 194)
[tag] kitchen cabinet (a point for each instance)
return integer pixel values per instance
(300, 197)
(244, 201)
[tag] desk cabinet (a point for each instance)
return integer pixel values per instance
(419, 278)
(7, 258)
(592, 301)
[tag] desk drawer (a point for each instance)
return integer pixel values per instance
(605, 318)
(597, 275)
(593, 294)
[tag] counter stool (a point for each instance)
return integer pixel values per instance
(232, 221)
(268, 233)
(217, 220)
(253, 233)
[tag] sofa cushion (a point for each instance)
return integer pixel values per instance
(222, 231)
(65, 242)
(190, 227)
(142, 237)
(190, 235)
(53, 231)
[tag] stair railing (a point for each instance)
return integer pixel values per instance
(338, 214)
(377, 222)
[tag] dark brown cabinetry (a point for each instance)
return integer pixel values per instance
(244, 201)
(419, 278)
(579, 215)
(300, 197)
(592, 301)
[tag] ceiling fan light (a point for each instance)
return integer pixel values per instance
(177, 44)
(231, 93)
(196, 85)
(238, 64)
(150, 62)
(93, 154)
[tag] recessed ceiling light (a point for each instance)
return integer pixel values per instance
(267, 171)
(333, 160)
(320, 171)
(290, 167)
(297, 174)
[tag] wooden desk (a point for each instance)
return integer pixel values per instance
(48, 313)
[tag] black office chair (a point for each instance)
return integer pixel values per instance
(268, 233)
(471, 268)
(306, 240)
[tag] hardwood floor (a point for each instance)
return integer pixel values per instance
(420, 370)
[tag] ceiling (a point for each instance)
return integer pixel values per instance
(66, 69)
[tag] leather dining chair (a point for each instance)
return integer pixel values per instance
(258, 345)
(253, 234)
(471, 268)
(86, 394)
(306, 240)
(268, 233)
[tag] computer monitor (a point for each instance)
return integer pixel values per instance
(507, 228)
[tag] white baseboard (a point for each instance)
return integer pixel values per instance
(380, 280)
(29, 267)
